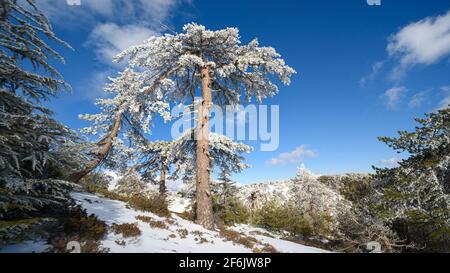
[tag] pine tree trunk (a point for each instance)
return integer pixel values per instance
(106, 146)
(204, 202)
(162, 182)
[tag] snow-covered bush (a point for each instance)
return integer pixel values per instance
(130, 184)
(95, 180)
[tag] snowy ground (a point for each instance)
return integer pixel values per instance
(179, 235)
(170, 239)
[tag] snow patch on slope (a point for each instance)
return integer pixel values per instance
(169, 240)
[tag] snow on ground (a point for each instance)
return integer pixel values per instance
(177, 203)
(171, 239)
(274, 240)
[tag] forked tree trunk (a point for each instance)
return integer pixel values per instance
(204, 213)
(162, 182)
(106, 145)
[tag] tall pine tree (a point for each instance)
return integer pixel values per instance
(217, 65)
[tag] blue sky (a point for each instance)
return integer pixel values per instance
(363, 71)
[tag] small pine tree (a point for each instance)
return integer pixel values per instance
(224, 188)
(130, 184)
(156, 159)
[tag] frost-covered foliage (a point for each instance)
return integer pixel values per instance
(173, 68)
(128, 98)
(335, 207)
(304, 190)
(31, 195)
(124, 120)
(224, 188)
(176, 159)
(32, 144)
(130, 184)
(29, 138)
(36, 151)
(415, 197)
(22, 28)
(224, 153)
(176, 60)
(156, 160)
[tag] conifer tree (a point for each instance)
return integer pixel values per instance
(415, 196)
(131, 111)
(156, 159)
(221, 68)
(35, 150)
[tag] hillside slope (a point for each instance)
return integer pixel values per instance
(169, 235)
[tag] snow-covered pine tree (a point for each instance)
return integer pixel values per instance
(23, 27)
(35, 150)
(415, 196)
(130, 111)
(156, 159)
(130, 184)
(218, 65)
(225, 188)
(225, 154)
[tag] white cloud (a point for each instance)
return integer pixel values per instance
(421, 43)
(112, 25)
(142, 12)
(109, 39)
(159, 9)
(392, 97)
(391, 161)
(376, 67)
(294, 157)
(93, 87)
(445, 101)
(418, 99)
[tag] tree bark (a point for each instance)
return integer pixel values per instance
(106, 145)
(162, 182)
(204, 215)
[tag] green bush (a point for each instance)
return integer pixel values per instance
(77, 225)
(428, 234)
(276, 217)
(355, 189)
(231, 211)
(154, 204)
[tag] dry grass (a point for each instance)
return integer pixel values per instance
(197, 233)
(269, 249)
(120, 242)
(183, 233)
(266, 234)
(153, 223)
(126, 229)
(238, 238)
